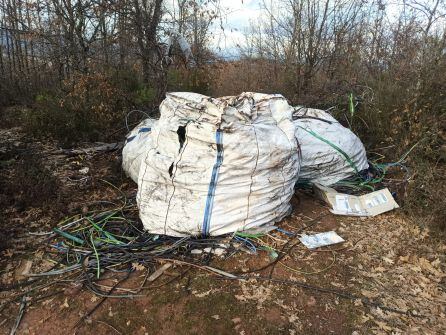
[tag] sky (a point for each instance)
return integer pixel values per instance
(238, 14)
(236, 20)
(227, 30)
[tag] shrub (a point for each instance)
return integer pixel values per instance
(189, 80)
(145, 96)
(29, 184)
(86, 108)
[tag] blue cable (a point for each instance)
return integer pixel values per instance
(286, 232)
(249, 244)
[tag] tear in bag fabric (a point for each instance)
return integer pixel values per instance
(330, 152)
(218, 165)
(135, 148)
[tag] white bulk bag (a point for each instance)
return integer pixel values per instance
(217, 166)
(330, 152)
(135, 147)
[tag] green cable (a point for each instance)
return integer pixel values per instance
(351, 105)
(98, 271)
(106, 233)
(334, 146)
(69, 236)
(248, 235)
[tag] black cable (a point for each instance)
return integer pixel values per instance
(282, 253)
(312, 117)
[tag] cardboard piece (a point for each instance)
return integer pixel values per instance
(370, 204)
(320, 239)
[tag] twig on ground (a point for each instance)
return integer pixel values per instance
(109, 325)
(19, 315)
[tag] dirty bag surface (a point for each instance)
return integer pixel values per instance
(330, 152)
(218, 165)
(135, 148)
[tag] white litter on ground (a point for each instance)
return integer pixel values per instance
(320, 239)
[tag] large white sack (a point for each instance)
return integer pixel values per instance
(330, 152)
(216, 166)
(135, 147)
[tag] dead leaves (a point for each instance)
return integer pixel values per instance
(382, 325)
(138, 267)
(370, 294)
(65, 304)
(388, 260)
(23, 269)
(399, 265)
(428, 267)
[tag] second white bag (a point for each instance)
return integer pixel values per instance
(135, 148)
(330, 152)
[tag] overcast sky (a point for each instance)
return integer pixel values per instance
(237, 18)
(238, 14)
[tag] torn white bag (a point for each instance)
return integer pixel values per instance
(135, 147)
(216, 166)
(330, 152)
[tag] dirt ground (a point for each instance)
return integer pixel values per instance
(388, 259)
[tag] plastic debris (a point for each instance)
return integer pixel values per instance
(215, 251)
(320, 239)
(369, 204)
(84, 170)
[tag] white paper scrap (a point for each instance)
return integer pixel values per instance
(343, 205)
(320, 239)
(369, 204)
